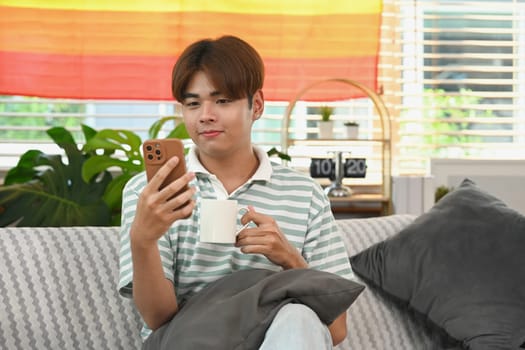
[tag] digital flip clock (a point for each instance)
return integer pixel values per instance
(326, 168)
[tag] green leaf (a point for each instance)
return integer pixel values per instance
(109, 141)
(273, 151)
(113, 194)
(88, 132)
(56, 197)
(64, 139)
(23, 171)
(10, 199)
(155, 128)
(96, 164)
(180, 132)
(61, 136)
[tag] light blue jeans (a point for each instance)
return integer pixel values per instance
(297, 327)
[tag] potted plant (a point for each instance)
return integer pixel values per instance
(441, 191)
(326, 126)
(351, 129)
(43, 190)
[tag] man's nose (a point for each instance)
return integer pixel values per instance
(208, 111)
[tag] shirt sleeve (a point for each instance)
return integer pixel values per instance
(324, 248)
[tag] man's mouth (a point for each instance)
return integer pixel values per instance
(210, 133)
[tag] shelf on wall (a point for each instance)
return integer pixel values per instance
(378, 145)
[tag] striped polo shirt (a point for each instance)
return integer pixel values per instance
(294, 200)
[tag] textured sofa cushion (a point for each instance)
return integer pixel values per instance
(58, 290)
(461, 265)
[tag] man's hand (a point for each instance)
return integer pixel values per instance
(268, 240)
(157, 210)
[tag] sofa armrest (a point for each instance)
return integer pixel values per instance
(58, 290)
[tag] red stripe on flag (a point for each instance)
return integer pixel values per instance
(148, 78)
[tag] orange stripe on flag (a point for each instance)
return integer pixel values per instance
(138, 77)
(152, 33)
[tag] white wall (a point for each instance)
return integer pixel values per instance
(505, 179)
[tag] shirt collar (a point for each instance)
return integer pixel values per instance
(263, 172)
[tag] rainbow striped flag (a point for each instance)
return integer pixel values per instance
(125, 49)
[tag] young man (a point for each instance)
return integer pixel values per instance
(162, 263)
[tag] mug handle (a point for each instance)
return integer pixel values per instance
(242, 228)
(245, 225)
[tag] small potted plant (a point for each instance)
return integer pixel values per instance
(352, 129)
(441, 191)
(326, 126)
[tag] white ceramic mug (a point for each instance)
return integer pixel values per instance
(218, 220)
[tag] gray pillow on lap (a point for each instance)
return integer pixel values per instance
(235, 311)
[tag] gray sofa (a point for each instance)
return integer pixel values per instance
(58, 291)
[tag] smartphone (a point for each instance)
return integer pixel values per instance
(157, 152)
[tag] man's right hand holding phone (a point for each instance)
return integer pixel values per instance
(158, 209)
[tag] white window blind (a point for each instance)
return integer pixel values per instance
(24, 121)
(453, 76)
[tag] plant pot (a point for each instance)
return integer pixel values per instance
(351, 131)
(326, 129)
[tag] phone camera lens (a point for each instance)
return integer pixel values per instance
(157, 151)
(150, 157)
(149, 148)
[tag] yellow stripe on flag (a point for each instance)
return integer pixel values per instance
(289, 7)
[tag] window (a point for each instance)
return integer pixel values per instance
(24, 121)
(454, 79)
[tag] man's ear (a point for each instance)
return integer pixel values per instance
(257, 105)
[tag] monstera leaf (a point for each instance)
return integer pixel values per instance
(120, 152)
(179, 132)
(42, 190)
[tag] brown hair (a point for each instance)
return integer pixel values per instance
(233, 66)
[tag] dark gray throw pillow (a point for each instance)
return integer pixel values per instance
(461, 265)
(234, 312)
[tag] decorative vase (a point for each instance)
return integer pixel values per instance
(352, 131)
(326, 129)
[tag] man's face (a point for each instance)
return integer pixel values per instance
(218, 125)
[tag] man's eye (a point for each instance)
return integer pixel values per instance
(223, 100)
(191, 103)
